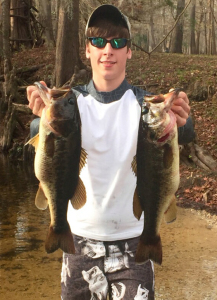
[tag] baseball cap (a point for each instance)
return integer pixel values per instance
(108, 10)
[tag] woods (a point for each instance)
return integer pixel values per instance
(182, 27)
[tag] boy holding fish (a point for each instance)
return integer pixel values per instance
(105, 230)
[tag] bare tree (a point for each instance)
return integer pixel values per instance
(177, 38)
(201, 18)
(1, 41)
(47, 22)
(20, 23)
(192, 28)
(151, 26)
(6, 33)
(212, 39)
(67, 46)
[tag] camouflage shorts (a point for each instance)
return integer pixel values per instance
(106, 271)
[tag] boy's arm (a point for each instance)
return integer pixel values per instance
(186, 133)
(181, 109)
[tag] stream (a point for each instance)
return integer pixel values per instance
(188, 271)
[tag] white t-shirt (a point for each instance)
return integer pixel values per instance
(110, 124)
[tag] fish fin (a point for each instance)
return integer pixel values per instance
(167, 156)
(171, 212)
(134, 165)
(137, 209)
(83, 159)
(40, 199)
(150, 249)
(50, 145)
(79, 198)
(63, 240)
(34, 141)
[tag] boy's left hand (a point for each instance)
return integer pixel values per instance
(181, 108)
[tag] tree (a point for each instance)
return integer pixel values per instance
(9, 87)
(192, 28)
(212, 39)
(6, 32)
(1, 40)
(47, 22)
(199, 27)
(177, 38)
(151, 24)
(67, 46)
(20, 23)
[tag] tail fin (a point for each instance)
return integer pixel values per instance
(63, 240)
(149, 250)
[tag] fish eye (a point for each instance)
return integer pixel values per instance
(145, 110)
(71, 101)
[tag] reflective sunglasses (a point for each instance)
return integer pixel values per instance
(116, 43)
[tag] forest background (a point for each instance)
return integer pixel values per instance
(173, 43)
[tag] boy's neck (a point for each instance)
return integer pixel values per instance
(107, 85)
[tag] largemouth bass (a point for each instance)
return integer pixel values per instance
(157, 170)
(58, 160)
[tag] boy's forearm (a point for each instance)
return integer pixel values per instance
(186, 133)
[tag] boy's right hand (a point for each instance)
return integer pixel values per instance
(35, 102)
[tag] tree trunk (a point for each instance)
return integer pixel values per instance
(193, 22)
(56, 9)
(205, 33)
(213, 37)
(1, 42)
(6, 54)
(6, 32)
(199, 28)
(20, 23)
(177, 38)
(151, 26)
(47, 23)
(67, 46)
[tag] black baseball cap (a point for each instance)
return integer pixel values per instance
(108, 10)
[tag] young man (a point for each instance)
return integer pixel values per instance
(106, 233)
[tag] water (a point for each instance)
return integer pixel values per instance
(26, 271)
(189, 266)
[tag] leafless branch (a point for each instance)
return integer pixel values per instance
(177, 20)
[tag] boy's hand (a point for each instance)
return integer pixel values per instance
(35, 102)
(181, 108)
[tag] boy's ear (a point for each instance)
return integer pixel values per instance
(129, 53)
(87, 52)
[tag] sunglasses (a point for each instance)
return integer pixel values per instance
(116, 43)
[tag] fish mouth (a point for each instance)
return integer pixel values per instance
(169, 128)
(163, 138)
(43, 92)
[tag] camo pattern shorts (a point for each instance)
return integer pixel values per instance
(106, 271)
